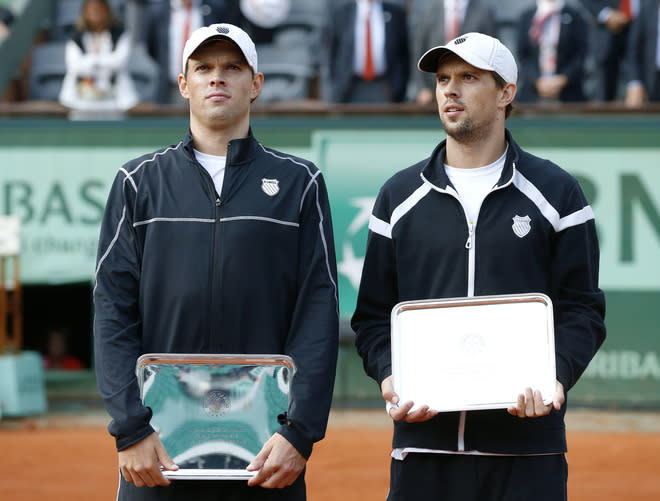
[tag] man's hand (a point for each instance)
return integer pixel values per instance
(617, 21)
(530, 403)
(636, 96)
(278, 464)
(551, 86)
(402, 412)
(425, 96)
(140, 463)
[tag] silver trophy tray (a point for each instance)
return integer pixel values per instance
(213, 413)
(473, 353)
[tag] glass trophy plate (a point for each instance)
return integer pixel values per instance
(473, 353)
(213, 413)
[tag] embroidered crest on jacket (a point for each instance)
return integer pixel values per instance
(521, 225)
(270, 187)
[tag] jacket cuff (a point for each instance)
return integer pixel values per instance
(384, 374)
(301, 443)
(124, 442)
(563, 373)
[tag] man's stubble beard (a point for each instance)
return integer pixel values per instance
(466, 131)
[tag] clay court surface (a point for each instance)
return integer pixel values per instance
(612, 456)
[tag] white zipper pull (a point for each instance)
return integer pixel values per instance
(468, 244)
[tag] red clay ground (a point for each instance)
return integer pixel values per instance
(74, 460)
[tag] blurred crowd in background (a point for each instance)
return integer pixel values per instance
(105, 56)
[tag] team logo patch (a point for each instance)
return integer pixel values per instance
(460, 40)
(521, 225)
(270, 187)
(223, 30)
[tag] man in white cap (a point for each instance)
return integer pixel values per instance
(217, 244)
(480, 217)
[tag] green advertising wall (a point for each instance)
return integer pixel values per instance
(56, 174)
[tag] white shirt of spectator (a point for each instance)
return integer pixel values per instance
(549, 38)
(177, 23)
(454, 12)
(215, 166)
(377, 20)
(100, 62)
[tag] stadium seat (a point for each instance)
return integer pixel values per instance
(287, 73)
(144, 72)
(47, 71)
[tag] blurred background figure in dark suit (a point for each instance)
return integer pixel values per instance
(366, 46)
(167, 26)
(552, 49)
(643, 56)
(435, 22)
(612, 19)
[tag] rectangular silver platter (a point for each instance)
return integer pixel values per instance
(473, 353)
(213, 413)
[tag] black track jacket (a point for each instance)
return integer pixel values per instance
(421, 246)
(183, 270)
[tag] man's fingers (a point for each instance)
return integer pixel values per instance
(280, 478)
(421, 414)
(260, 459)
(529, 402)
(539, 407)
(166, 462)
(387, 389)
(262, 475)
(398, 413)
(126, 475)
(519, 409)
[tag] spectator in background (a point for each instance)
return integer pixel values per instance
(366, 45)
(613, 18)
(552, 48)
(643, 57)
(168, 24)
(436, 22)
(6, 18)
(97, 78)
(57, 352)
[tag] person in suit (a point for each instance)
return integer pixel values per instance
(642, 57)
(353, 76)
(612, 19)
(438, 21)
(167, 25)
(552, 49)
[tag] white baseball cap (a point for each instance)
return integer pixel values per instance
(479, 50)
(222, 30)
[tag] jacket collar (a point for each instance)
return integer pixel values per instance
(433, 171)
(239, 151)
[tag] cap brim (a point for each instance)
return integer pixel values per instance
(430, 59)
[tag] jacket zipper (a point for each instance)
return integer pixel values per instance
(470, 247)
(214, 249)
(215, 256)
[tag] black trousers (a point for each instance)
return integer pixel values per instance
(478, 478)
(211, 490)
